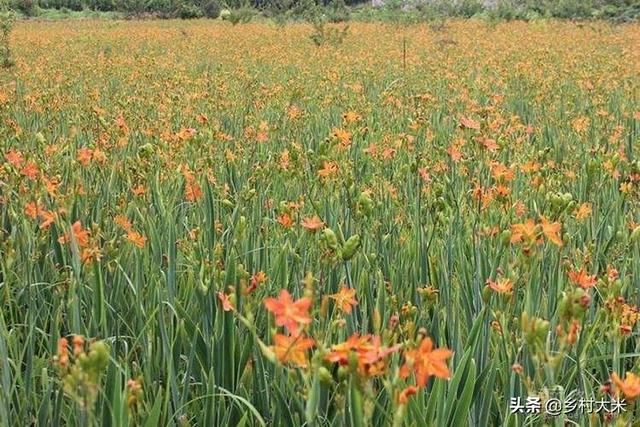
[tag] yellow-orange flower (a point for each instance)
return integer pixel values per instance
(630, 386)
(292, 349)
(551, 231)
(502, 286)
(345, 299)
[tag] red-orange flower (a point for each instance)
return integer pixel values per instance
(256, 279)
(227, 305)
(582, 279)
(367, 349)
(290, 314)
(426, 361)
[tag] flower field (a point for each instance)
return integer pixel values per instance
(204, 224)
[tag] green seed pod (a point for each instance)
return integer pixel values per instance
(40, 138)
(365, 203)
(542, 329)
(330, 238)
(267, 352)
(228, 203)
(343, 372)
(145, 150)
(249, 194)
(325, 375)
(350, 247)
(635, 235)
(486, 294)
(505, 237)
(242, 226)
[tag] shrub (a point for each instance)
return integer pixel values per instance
(323, 34)
(188, 11)
(240, 16)
(26, 7)
(211, 9)
(6, 25)
(337, 11)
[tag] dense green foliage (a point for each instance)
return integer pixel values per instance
(412, 10)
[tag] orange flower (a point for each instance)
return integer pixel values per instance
(139, 190)
(123, 222)
(84, 155)
(292, 349)
(15, 158)
(351, 116)
(345, 299)
(424, 361)
(227, 305)
(63, 351)
(193, 191)
(369, 353)
(285, 220)
(136, 238)
(490, 144)
(78, 343)
(256, 279)
(468, 123)
(343, 137)
(48, 217)
(328, 169)
(312, 223)
(455, 153)
(583, 211)
(582, 279)
(30, 171)
(288, 313)
(524, 232)
(630, 387)
(502, 286)
(32, 210)
(551, 231)
(80, 234)
(403, 398)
